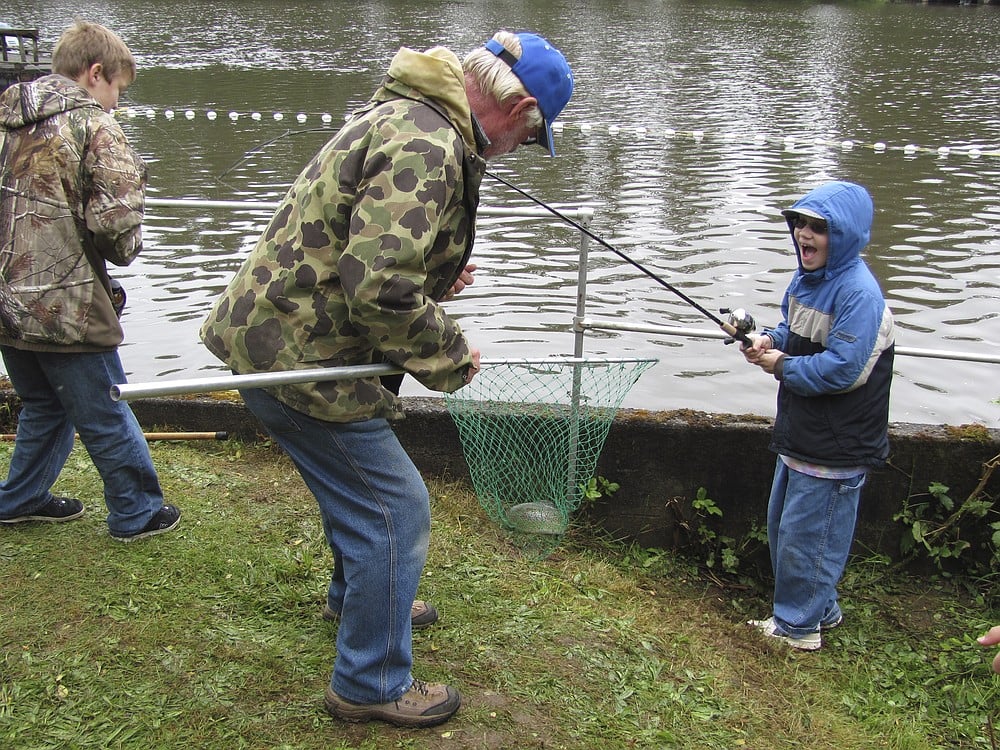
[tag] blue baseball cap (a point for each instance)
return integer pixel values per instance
(545, 74)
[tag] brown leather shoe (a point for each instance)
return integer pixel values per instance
(425, 704)
(422, 614)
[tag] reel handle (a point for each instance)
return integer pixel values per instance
(739, 325)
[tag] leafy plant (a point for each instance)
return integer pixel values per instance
(941, 529)
(717, 550)
(597, 487)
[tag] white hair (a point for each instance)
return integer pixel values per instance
(495, 78)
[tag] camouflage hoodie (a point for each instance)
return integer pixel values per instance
(71, 199)
(367, 241)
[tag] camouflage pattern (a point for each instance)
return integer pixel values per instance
(367, 241)
(71, 199)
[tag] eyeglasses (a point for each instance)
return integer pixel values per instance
(531, 140)
(816, 226)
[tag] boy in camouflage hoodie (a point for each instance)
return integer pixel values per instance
(372, 236)
(71, 200)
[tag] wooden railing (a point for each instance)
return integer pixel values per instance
(19, 45)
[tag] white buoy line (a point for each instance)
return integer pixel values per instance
(150, 113)
(789, 143)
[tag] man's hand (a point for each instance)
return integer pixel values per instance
(769, 361)
(472, 369)
(465, 278)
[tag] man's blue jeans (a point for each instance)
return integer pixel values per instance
(376, 516)
(65, 393)
(810, 528)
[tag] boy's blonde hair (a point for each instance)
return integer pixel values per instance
(85, 43)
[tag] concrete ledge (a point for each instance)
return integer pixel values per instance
(659, 456)
(661, 459)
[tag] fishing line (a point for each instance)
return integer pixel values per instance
(130, 103)
(729, 328)
(261, 146)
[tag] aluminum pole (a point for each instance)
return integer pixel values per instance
(701, 333)
(129, 391)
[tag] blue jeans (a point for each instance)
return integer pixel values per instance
(63, 393)
(810, 528)
(377, 520)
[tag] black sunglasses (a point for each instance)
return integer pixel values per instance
(817, 226)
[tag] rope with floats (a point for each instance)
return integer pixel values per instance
(788, 142)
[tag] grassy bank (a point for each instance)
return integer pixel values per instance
(211, 637)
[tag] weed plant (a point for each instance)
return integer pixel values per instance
(210, 637)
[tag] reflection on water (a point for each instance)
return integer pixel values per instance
(692, 126)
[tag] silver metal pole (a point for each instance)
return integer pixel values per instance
(200, 203)
(910, 351)
(581, 290)
(578, 343)
(701, 333)
(129, 391)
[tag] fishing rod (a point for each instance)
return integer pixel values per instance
(739, 323)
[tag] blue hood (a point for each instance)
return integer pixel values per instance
(848, 210)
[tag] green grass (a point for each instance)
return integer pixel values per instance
(211, 636)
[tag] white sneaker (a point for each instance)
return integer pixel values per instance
(810, 642)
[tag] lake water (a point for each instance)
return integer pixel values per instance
(692, 125)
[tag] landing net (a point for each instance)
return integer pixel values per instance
(532, 432)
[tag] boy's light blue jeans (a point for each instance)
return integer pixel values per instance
(810, 528)
(65, 393)
(376, 516)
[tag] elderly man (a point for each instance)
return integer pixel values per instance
(372, 236)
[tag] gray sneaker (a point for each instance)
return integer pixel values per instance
(425, 704)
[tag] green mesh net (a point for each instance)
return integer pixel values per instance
(532, 432)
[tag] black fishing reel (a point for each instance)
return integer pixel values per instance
(739, 319)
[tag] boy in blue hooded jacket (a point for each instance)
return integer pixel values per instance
(832, 355)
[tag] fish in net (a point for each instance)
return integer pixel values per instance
(532, 432)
